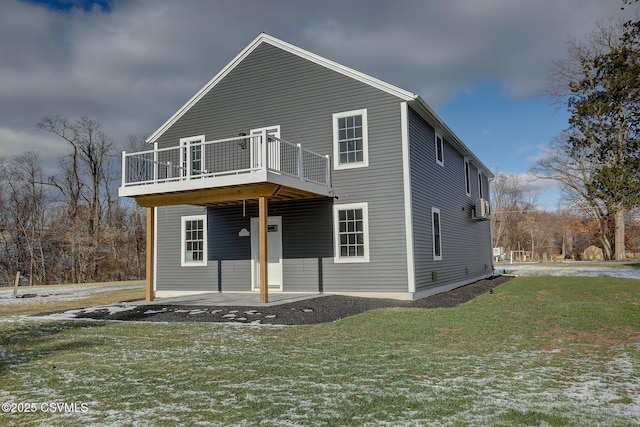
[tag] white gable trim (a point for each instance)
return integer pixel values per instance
(265, 38)
(202, 92)
(349, 72)
(408, 209)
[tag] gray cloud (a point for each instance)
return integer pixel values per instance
(132, 67)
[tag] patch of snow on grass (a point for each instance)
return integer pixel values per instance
(151, 376)
(575, 269)
(58, 292)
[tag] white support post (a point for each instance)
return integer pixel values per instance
(124, 168)
(187, 171)
(169, 170)
(300, 164)
(156, 166)
(328, 172)
(264, 150)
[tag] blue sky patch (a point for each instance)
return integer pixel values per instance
(69, 5)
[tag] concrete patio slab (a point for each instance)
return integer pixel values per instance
(240, 299)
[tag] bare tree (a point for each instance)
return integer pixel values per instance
(506, 199)
(85, 186)
(90, 152)
(574, 170)
(24, 217)
(8, 256)
(70, 227)
(513, 212)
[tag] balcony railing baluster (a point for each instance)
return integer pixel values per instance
(225, 157)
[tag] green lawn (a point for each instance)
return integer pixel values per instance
(540, 351)
(122, 291)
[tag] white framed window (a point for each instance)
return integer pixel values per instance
(350, 139)
(192, 156)
(439, 149)
(436, 233)
(194, 241)
(480, 187)
(467, 177)
(351, 232)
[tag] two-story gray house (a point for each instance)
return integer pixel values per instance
(288, 172)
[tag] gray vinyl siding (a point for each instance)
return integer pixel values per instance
(274, 87)
(236, 275)
(306, 239)
(171, 276)
(226, 247)
(466, 245)
(302, 275)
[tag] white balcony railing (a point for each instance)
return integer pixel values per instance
(226, 158)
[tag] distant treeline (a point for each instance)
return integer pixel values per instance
(70, 227)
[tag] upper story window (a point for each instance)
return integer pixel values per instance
(194, 240)
(480, 187)
(467, 177)
(350, 139)
(351, 232)
(439, 149)
(437, 235)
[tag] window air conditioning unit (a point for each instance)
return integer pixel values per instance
(482, 210)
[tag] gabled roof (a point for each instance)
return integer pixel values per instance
(415, 101)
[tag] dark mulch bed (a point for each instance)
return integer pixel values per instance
(315, 310)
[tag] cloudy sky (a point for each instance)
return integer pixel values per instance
(130, 64)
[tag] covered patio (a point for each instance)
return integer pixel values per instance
(223, 172)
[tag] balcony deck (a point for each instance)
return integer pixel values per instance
(225, 171)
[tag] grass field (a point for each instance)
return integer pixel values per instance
(67, 297)
(540, 351)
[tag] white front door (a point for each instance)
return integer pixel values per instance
(274, 253)
(273, 148)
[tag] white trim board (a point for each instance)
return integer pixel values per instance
(408, 213)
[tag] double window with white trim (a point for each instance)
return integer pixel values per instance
(350, 139)
(194, 241)
(351, 232)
